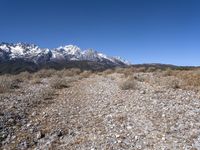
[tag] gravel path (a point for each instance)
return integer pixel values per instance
(94, 113)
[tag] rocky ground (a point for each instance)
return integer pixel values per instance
(94, 113)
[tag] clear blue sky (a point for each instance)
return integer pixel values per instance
(142, 31)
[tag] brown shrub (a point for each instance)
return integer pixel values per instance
(128, 84)
(23, 76)
(71, 72)
(99, 73)
(44, 97)
(119, 70)
(47, 93)
(68, 72)
(7, 83)
(168, 72)
(36, 81)
(44, 73)
(151, 69)
(121, 118)
(108, 71)
(85, 74)
(126, 71)
(190, 79)
(140, 69)
(59, 83)
(183, 79)
(173, 83)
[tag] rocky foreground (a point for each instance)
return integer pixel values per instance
(100, 111)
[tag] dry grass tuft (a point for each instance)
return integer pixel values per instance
(140, 69)
(119, 70)
(129, 83)
(85, 74)
(151, 69)
(107, 72)
(36, 81)
(23, 76)
(47, 94)
(68, 72)
(59, 83)
(7, 83)
(44, 73)
(168, 72)
(44, 98)
(71, 72)
(126, 71)
(173, 83)
(184, 79)
(190, 79)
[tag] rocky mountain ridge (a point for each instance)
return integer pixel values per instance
(37, 55)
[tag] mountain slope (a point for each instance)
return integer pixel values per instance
(20, 56)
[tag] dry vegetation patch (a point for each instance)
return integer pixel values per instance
(59, 83)
(44, 73)
(191, 80)
(85, 74)
(126, 71)
(47, 93)
(8, 83)
(71, 72)
(173, 83)
(36, 81)
(49, 116)
(128, 83)
(107, 72)
(23, 76)
(187, 79)
(68, 72)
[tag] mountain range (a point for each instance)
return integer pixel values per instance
(20, 56)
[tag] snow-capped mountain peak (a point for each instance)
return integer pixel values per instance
(32, 53)
(70, 49)
(4, 47)
(118, 58)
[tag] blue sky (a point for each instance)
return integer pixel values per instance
(142, 31)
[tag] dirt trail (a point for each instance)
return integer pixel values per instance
(94, 113)
(98, 115)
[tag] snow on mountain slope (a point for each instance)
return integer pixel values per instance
(68, 52)
(33, 53)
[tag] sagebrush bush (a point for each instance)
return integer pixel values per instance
(140, 69)
(108, 71)
(174, 83)
(47, 93)
(126, 71)
(59, 83)
(23, 76)
(184, 79)
(119, 70)
(85, 74)
(190, 79)
(168, 72)
(68, 72)
(36, 81)
(44, 97)
(72, 72)
(44, 73)
(151, 69)
(7, 83)
(129, 83)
